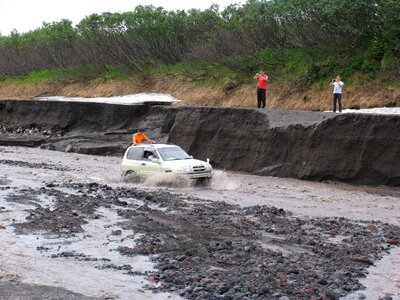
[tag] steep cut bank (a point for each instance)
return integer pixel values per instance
(317, 146)
(307, 145)
(91, 128)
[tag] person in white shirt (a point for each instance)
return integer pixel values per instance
(337, 92)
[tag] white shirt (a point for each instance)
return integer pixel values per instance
(337, 87)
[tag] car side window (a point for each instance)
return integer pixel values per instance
(135, 153)
(148, 155)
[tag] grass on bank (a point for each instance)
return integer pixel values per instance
(310, 67)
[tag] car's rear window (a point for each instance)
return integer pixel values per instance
(172, 153)
(135, 153)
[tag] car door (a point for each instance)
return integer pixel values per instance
(134, 160)
(148, 166)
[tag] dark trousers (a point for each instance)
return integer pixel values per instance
(261, 97)
(337, 98)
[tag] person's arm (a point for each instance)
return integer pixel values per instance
(133, 140)
(341, 83)
(148, 139)
(256, 76)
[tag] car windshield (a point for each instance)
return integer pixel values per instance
(173, 153)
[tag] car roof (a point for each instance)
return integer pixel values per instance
(157, 146)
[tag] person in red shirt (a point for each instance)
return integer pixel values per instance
(139, 136)
(262, 79)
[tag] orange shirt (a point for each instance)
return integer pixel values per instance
(138, 137)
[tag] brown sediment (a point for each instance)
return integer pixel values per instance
(284, 95)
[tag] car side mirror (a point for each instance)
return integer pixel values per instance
(155, 160)
(191, 156)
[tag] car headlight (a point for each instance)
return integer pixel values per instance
(187, 169)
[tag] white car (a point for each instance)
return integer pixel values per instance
(145, 160)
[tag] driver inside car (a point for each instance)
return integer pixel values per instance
(153, 156)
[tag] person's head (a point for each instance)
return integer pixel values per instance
(139, 130)
(261, 71)
(338, 78)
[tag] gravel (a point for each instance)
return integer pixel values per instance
(215, 250)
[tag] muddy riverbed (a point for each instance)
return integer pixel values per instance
(72, 229)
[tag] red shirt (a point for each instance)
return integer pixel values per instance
(261, 81)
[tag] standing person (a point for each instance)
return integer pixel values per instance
(337, 92)
(262, 79)
(139, 136)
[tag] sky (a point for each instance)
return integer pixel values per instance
(25, 15)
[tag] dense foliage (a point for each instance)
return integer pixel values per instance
(364, 34)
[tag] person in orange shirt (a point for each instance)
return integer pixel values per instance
(139, 136)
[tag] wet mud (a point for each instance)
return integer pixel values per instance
(12, 290)
(157, 242)
(204, 249)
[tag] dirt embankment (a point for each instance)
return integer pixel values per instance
(282, 95)
(318, 146)
(307, 145)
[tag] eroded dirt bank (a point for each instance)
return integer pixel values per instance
(307, 145)
(281, 95)
(72, 230)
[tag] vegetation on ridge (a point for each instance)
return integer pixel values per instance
(292, 39)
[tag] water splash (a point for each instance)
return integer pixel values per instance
(221, 181)
(172, 180)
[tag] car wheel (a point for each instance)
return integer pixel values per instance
(205, 181)
(130, 176)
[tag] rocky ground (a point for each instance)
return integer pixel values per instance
(71, 229)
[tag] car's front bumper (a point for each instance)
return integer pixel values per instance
(199, 175)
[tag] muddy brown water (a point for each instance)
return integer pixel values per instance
(33, 259)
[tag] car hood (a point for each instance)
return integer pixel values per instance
(185, 162)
